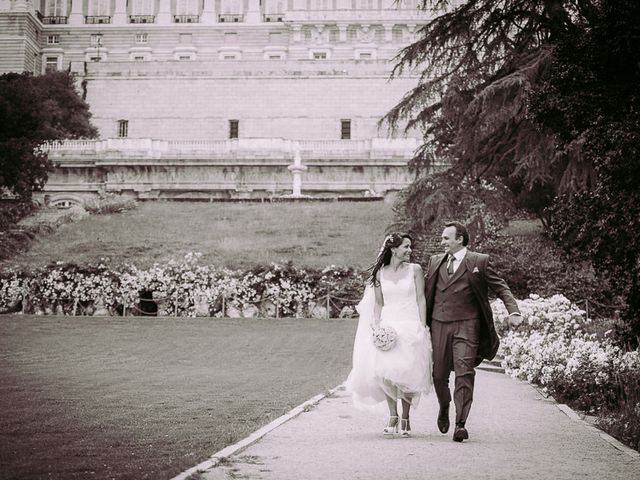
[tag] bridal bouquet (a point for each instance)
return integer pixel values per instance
(384, 338)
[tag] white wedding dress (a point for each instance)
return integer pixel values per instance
(405, 370)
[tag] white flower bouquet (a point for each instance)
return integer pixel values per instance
(384, 338)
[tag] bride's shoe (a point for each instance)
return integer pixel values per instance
(405, 428)
(392, 426)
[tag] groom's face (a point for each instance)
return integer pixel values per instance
(449, 241)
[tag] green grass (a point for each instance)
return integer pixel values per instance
(143, 398)
(236, 235)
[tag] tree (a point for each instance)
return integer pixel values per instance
(591, 97)
(479, 61)
(34, 110)
(544, 97)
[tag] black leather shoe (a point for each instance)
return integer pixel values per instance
(460, 433)
(443, 418)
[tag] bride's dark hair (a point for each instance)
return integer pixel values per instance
(392, 240)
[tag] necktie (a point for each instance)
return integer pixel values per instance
(450, 265)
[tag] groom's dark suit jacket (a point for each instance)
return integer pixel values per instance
(476, 269)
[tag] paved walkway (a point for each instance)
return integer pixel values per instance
(515, 433)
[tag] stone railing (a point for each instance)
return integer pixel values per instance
(276, 148)
(347, 15)
(247, 68)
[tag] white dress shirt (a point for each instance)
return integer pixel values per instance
(457, 258)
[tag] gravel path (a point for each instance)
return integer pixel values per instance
(515, 433)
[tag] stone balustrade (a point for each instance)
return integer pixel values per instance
(245, 168)
(278, 148)
(389, 15)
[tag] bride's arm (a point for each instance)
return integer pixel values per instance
(418, 276)
(377, 308)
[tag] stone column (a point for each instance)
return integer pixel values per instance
(209, 12)
(164, 13)
(253, 12)
(120, 13)
(76, 17)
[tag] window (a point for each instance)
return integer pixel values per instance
(187, 7)
(365, 56)
(231, 6)
(233, 128)
(50, 64)
(184, 57)
(123, 128)
(99, 8)
(56, 8)
(139, 58)
(185, 38)
(141, 38)
(319, 55)
(275, 37)
(96, 39)
(53, 40)
(95, 59)
(345, 129)
(142, 7)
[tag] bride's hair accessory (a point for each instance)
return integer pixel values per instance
(384, 255)
(384, 338)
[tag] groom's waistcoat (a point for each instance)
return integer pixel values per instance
(454, 299)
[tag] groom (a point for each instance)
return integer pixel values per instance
(461, 322)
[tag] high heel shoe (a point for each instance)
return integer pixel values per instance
(392, 426)
(405, 428)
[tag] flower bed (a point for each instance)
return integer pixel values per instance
(184, 289)
(556, 348)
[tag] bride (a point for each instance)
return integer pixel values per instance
(394, 297)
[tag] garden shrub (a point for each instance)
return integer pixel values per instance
(107, 203)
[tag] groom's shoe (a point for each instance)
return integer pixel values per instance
(443, 418)
(460, 433)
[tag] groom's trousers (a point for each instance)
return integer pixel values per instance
(455, 345)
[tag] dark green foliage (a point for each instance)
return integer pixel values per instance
(479, 62)
(591, 100)
(34, 110)
(534, 264)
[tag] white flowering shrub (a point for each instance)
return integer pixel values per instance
(553, 348)
(183, 288)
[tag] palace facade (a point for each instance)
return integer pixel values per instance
(223, 85)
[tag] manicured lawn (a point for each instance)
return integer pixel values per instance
(235, 235)
(141, 398)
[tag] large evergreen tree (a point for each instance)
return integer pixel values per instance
(35, 109)
(479, 61)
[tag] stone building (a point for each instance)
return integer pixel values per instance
(216, 98)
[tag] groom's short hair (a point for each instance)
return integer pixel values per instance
(461, 231)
